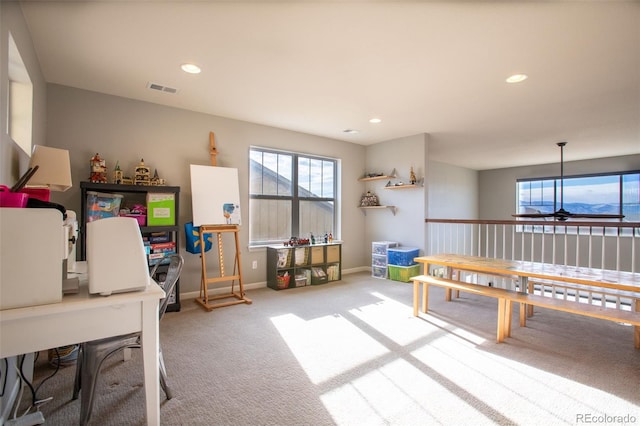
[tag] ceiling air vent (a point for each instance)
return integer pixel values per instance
(161, 88)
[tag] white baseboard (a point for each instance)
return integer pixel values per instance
(253, 286)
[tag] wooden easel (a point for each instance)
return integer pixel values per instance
(239, 297)
(219, 230)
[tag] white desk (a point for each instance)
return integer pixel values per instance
(82, 317)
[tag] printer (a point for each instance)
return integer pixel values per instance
(33, 248)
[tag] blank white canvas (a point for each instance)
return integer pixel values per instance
(211, 189)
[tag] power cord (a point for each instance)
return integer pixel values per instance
(4, 378)
(36, 417)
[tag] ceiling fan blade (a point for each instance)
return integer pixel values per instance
(533, 215)
(596, 216)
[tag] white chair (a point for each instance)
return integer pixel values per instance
(92, 354)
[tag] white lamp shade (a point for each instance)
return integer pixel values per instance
(54, 168)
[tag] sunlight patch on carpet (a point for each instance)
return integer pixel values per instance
(398, 393)
(328, 346)
(396, 321)
(548, 398)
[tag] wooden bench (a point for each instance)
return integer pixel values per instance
(506, 298)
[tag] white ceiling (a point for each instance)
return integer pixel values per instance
(320, 67)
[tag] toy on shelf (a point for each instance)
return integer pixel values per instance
(142, 175)
(157, 180)
(412, 177)
(369, 200)
(117, 174)
(98, 169)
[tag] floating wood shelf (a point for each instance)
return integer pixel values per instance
(365, 208)
(392, 175)
(406, 186)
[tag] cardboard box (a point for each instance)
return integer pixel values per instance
(161, 209)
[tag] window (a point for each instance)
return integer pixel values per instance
(290, 194)
(615, 193)
(20, 100)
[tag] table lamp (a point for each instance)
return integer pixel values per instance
(54, 168)
(54, 174)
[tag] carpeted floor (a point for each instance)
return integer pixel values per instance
(351, 353)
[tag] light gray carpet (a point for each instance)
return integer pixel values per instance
(351, 353)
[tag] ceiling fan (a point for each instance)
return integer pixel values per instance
(561, 214)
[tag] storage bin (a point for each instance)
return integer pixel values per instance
(317, 255)
(403, 273)
(318, 276)
(283, 281)
(333, 272)
(102, 205)
(379, 272)
(141, 218)
(301, 280)
(380, 247)
(41, 194)
(402, 256)
(378, 260)
(333, 253)
(12, 199)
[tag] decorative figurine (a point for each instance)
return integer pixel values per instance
(98, 169)
(142, 174)
(369, 199)
(157, 180)
(412, 177)
(117, 174)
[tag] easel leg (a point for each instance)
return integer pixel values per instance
(237, 270)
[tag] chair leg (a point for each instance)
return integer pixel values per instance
(94, 353)
(77, 380)
(91, 363)
(163, 377)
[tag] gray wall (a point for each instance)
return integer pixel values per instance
(14, 159)
(171, 139)
(453, 192)
(407, 225)
(498, 188)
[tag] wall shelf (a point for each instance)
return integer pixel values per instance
(365, 208)
(406, 186)
(392, 175)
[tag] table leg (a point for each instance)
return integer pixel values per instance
(523, 314)
(636, 329)
(526, 287)
(150, 353)
(501, 319)
(416, 297)
(425, 297)
(507, 318)
(448, 272)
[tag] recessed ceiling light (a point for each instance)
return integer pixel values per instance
(375, 120)
(517, 78)
(191, 68)
(351, 131)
